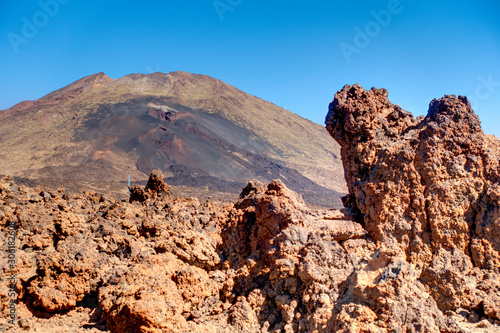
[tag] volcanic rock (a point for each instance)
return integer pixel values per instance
(156, 184)
(426, 188)
(265, 263)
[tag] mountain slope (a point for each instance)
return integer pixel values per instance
(200, 131)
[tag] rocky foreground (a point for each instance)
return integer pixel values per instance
(418, 249)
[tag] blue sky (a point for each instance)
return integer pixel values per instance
(296, 54)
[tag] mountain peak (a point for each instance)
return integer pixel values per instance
(80, 86)
(172, 75)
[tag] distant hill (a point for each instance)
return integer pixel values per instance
(202, 132)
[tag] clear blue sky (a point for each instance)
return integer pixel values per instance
(296, 54)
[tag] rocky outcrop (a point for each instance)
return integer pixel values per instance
(156, 186)
(428, 189)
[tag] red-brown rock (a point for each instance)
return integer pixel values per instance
(427, 187)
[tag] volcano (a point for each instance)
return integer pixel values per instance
(202, 133)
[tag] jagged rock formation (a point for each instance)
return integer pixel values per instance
(169, 264)
(154, 187)
(427, 189)
(156, 184)
(417, 251)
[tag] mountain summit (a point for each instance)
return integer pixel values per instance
(201, 132)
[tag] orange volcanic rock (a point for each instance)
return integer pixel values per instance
(266, 263)
(428, 188)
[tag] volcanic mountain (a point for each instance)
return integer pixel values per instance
(201, 132)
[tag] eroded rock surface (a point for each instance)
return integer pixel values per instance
(428, 189)
(163, 264)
